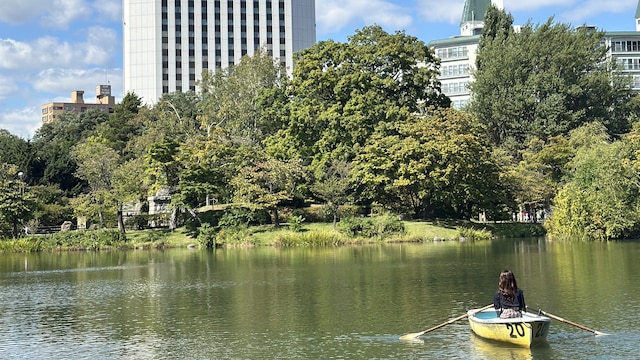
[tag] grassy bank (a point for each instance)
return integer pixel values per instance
(309, 234)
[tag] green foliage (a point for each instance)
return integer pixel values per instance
(295, 223)
(600, 199)
(234, 236)
(231, 98)
(268, 184)
(242, 217)
(340, 93)
(206, 236)
(439, 161)
(379, 227)
(84, 240)
(53, 143)
(558, 79)
(515, 230)
(28, 244)
(17, 151)
(474, 234)
(121, 128)
(332, 186)
(316, 238)
(17, 203)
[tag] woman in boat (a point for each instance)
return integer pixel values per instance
(508, 299)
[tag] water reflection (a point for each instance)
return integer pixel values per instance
(487, 349)
(340, 303)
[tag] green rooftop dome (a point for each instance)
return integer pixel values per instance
(474, 10)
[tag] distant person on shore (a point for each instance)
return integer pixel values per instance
(508, 299)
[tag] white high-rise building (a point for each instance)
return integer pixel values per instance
(169, 43)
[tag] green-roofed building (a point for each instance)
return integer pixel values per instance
(458, 53)
(473, 17)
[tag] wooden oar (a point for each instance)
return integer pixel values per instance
(415, 335)
(538, 311)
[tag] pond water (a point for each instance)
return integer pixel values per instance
(350, 302)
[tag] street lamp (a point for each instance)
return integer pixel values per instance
(21, 176)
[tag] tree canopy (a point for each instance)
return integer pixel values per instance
(543, 81)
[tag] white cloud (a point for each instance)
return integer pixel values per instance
(53, 13)
(532, 5)
(63, 81)
(441, 11)
(593, 8)
(98, 49)
(63, 12)
(19, 11)
(335, 15)
(7, 87)
(100, 45)
(22, 122)
(111, 9)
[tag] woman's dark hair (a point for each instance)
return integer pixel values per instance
(507, 285)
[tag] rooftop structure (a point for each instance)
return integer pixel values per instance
(104, 102)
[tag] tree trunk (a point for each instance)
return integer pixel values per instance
(426, 208)
(335, 216)
(101, 216)
(172, 219)
(276, 217)
(121, 220)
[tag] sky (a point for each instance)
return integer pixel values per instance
(49, 48)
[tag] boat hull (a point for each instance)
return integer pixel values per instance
(523, 331)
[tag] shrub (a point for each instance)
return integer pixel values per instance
(234, 236)
(206, 236)
(323, 238)
(240, 216)
(378, 227)
(474, 234)
(295, 223)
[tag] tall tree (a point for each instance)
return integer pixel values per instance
(440, 162)
(97, 163)
(544, 81)
(17, 204)
(332, 187)
(52, 144)
(340, 93)
(268, 184)
(121, 126)
(600, 199)
(232, 98)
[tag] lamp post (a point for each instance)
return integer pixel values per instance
(21, 176)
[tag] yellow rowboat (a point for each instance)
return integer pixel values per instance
(524, 331)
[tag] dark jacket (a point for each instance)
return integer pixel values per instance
(517, 303)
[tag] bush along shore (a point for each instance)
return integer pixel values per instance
(350, 231)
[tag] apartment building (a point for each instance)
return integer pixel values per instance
(104, 102)
(458, 53)
(168, 44)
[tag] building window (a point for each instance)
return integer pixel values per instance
(453, 52)
(630, 63)
(625, 46)
(455, 88)
(454, 70)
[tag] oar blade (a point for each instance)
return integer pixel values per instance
(412, 336)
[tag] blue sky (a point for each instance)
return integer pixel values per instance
(48, 48)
